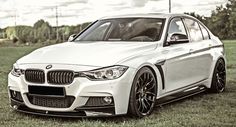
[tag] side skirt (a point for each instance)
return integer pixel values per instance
(180, 95)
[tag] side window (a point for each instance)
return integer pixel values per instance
(176, 26)
(194, 30)
(204, 32)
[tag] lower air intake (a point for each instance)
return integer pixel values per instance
(54, 102)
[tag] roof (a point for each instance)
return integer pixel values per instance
(147, 15)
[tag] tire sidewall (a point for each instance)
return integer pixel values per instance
(133, 109)
(214, 88)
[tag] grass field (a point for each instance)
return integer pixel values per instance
(200, 110)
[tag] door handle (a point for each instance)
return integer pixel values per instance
(191, 50)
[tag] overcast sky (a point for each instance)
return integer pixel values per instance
(72, 12)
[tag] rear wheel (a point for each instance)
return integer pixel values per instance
(219, 77)
(143, 93)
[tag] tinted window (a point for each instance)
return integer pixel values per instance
(124, 29)
(194, 30)
(176, 26)
(204, 32)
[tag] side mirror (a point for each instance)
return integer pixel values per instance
(72, 37)
(177, 38)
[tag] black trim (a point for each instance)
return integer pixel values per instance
(217, 46)
(83, 30)
(100, 109)
(35, 75)
(60, 77)
(16, 95)
(205, 49)
(51, 101)
(180, 95)
(159, 67)
(21, 107)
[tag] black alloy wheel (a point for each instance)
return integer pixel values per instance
(219, 77)
(143, 93)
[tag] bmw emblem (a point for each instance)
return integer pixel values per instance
(48, 66)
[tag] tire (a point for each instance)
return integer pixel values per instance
(219, 77)
(143, 93)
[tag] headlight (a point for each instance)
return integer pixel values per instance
(107, 73)
(16, 71)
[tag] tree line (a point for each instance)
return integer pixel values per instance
(41, 31)
(222, 23)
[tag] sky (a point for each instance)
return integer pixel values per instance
(73, 12)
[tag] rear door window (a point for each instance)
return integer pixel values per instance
(194, 30)
(204, 32)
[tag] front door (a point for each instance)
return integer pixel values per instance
(179, 65)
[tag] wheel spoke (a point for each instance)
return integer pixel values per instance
(148, 104)
(143, 104)
(139, 103)
(222, 72)
(220, 67)
(138, 92)
(138, 84)
(141, 80)
(220, 85)
(145, 75)
(221, 79)
(149, 82)
(151, 88)
(150, 93)
(145, 92)
(149, 99)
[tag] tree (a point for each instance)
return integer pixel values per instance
(42, 31)
(219, 22)
(231, 6)
(222, 21)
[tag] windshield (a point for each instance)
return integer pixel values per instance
(123, 29)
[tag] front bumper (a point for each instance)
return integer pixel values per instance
(82, 89)
(85, 112)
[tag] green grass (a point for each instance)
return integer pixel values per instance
(200, 110)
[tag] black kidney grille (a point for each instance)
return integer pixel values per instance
(55, 102)
(60, 77)
(35, 76)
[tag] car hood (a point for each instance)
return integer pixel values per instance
(86, 53)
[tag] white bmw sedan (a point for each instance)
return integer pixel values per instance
(120, 65)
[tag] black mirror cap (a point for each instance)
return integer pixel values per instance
(177, 38)
(71, 38)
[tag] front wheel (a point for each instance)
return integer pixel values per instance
(219, 77)
(143, 93)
